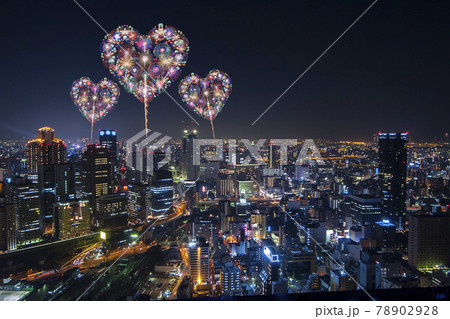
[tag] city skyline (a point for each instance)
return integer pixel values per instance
(227, 151)
(381, 76)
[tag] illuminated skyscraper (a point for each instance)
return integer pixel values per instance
(56, 184)
(429, 240)
(45, 149)
(270, 270)
(109, 139)
(392, 155)
(72, 219)
(138, 195)
(199, 261)
(96, 166)
(187, 155)
(226, 184)
(161, 193)
(24, 194)
(112, 211)
(7, 227)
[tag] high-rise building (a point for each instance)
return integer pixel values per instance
(230, 280)
(270, 270)
(364, 209)
(429, 240)
(226, 184)
(72, 219)
(24, 194)
(206, 227)
(199, 261)
(392, 155)
(187, 155)
(161, 193)
(7, 227)
(56, 184)
(108, 138)
(138, 200)
(112, 211)
(384, 234)
(45, 149)
(96, 167)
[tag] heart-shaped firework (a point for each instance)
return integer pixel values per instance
(207, 96)
(94, 101)
(145, 64)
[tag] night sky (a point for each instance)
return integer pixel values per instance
(390, 72)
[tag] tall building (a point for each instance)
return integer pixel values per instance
(161, 193)
(384, 234)
(24, 194)
(230, 280)
(364, 209)
(206, 227)
(72, 219)
(392, 155)
(108, 138)
(45, 149)
(96, 167)
(7, 227)
(187, 155)
(429, 240)
(199, 261)
(225, 184)
(56, 184)
(112, 211)
(138, 200)
(270, 270)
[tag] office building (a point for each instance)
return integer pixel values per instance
(206, 227)
(364, 209)
(45, 149)
(112, 211)
(56, 184)
(341, 281)
(199, 261)
(72, 219)
(392, 156)
(384, 235)
(429, 240)
(270, 271)
(225, 184)
(187, 155)
(24, 194)
(298, 263)
(138, 200)
(230, 280)
(247, 172)
(161, 193)
(96, 171)
(108, 138)
(7, 227)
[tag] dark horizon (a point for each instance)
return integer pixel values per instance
(388, 73)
